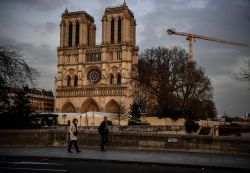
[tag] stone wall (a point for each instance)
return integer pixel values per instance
(130, 140)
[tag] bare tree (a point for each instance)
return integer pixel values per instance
(14, 71)
(170, 84)
(158, 70)
(194, 89)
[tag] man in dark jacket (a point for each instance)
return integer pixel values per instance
(104, 132)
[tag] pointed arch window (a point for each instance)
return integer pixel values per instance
(68, 81)
(111, 79)
(77, 34)
(119, 30)
(75, 81)
(112, 31)
(119, 78)
(70, 35)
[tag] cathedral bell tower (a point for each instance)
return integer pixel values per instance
(77, 29)
(118, 26)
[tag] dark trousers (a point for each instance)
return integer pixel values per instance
(75, 144)
(104, 140)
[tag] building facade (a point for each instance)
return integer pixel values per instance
(41, 100)
(93, 77)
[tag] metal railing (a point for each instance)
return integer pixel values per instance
(135, 128)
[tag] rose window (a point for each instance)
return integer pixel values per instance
(94, 76)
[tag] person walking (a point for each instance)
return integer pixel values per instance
(73, 133)
(104, 132)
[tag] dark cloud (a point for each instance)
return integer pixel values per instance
(51, 27)
(46, 28)
(40, 5)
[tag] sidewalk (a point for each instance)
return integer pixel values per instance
(187, 159)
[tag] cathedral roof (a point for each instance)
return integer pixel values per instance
(119, 8)
(77, 13)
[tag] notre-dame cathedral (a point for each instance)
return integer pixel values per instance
(96, 77)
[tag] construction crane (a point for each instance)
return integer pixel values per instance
(191, 37)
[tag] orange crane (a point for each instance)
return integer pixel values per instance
(191, 37)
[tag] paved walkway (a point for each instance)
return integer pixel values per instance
(133, 156)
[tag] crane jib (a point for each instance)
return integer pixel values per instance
(190, 37)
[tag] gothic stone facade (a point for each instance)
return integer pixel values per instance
(93, 77)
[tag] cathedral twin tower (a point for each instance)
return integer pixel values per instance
(93, 77)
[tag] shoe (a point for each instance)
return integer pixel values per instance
(78, 151)
(70, 152)
(103, 150)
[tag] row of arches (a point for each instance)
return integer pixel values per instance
(90, 105)
(115, 79)
(77, 34)
(119, 32)
(93, 74)
(74, 27)
(72, 82)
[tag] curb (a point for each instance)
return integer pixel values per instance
(202, 167)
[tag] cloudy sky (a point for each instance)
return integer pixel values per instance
(33, 27)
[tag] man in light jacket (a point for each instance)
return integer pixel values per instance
(73, 133)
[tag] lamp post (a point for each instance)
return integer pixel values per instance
(80, 120)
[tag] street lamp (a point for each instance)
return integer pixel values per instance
(80, 120)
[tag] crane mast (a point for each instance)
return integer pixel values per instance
(190, 37)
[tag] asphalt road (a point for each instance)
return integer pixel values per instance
(10, 165)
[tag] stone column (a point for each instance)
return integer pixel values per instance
(84, 56)
(61, 34)
(93, 34)
(66, 35)
(123, 30)
(102, 31)
(108, 30)
(105, 30)
(128, 30)
(85, 34)
(134, 34)
(80, 60)
(81, 33)
(90, 34)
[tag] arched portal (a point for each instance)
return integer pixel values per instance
(68, 107)
(89, 105)
(112, 106)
